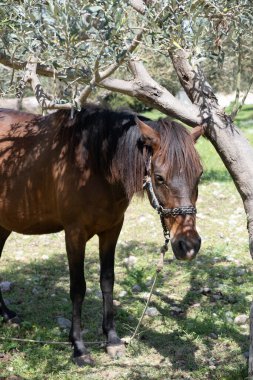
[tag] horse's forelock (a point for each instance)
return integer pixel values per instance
(178, 152)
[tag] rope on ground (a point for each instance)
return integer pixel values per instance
(159, 268)
(144, 310)
(46, 341)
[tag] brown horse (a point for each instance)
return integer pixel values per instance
(78, 175)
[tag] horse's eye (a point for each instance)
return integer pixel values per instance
(159, 179)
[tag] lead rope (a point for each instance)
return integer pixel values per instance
(159, 268)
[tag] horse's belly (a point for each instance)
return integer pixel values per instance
(40, 228)
(33, 218)
(30, 226)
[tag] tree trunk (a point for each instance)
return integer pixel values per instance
(233, 148)
(237, 155)
(250, 372)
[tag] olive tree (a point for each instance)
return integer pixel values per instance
(134, 47)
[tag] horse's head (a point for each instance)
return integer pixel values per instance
(175, 174)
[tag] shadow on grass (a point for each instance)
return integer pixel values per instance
(40, 295)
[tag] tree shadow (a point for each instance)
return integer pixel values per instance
(40, 296)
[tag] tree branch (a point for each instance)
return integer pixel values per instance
(138, 5)
(100, 76)
(47, 71)
(30, 76)
(118, 85)
(235, 112)
(238, 80)
(147, 90)
(195, 85)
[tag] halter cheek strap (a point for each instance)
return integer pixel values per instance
(163, 212)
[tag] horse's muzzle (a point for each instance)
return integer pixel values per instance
(186, 248)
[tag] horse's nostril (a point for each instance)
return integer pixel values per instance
(182, 245)
(188, 248)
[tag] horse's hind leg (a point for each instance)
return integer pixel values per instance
(107, 244)
(8, 315)
(75, 245)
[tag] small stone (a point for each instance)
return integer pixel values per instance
(136, 288)
(229, 316)
(64, 323)
(213, 336)
(241, 319)
(205, 291)
(233, 260)
(216, 297)
(144, 295)
(240, 272)
(149, 282)
(122, 294)
(196, 304)
(176, 309)
(212, 367)
(152, 312)
(88, 290)
(116, 303)
(130, 261)
(35, 291)
(6, 286)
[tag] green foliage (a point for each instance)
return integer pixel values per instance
(75, 36)
(118, 101)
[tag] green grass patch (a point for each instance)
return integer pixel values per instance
(244, 116)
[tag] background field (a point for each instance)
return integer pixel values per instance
(193, 337)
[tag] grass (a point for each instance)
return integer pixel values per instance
(199, 342)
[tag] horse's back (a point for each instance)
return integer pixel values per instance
(9, 117)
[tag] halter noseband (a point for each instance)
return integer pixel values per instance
(165, 212)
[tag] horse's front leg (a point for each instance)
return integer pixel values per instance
(107, 244)
(75, 245)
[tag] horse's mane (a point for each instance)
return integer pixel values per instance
(113, 144)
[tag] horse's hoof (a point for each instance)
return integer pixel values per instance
(14, 322)
(84, 360)
(116, 350)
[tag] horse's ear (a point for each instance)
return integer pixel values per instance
(197, 132)
(149, 136)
